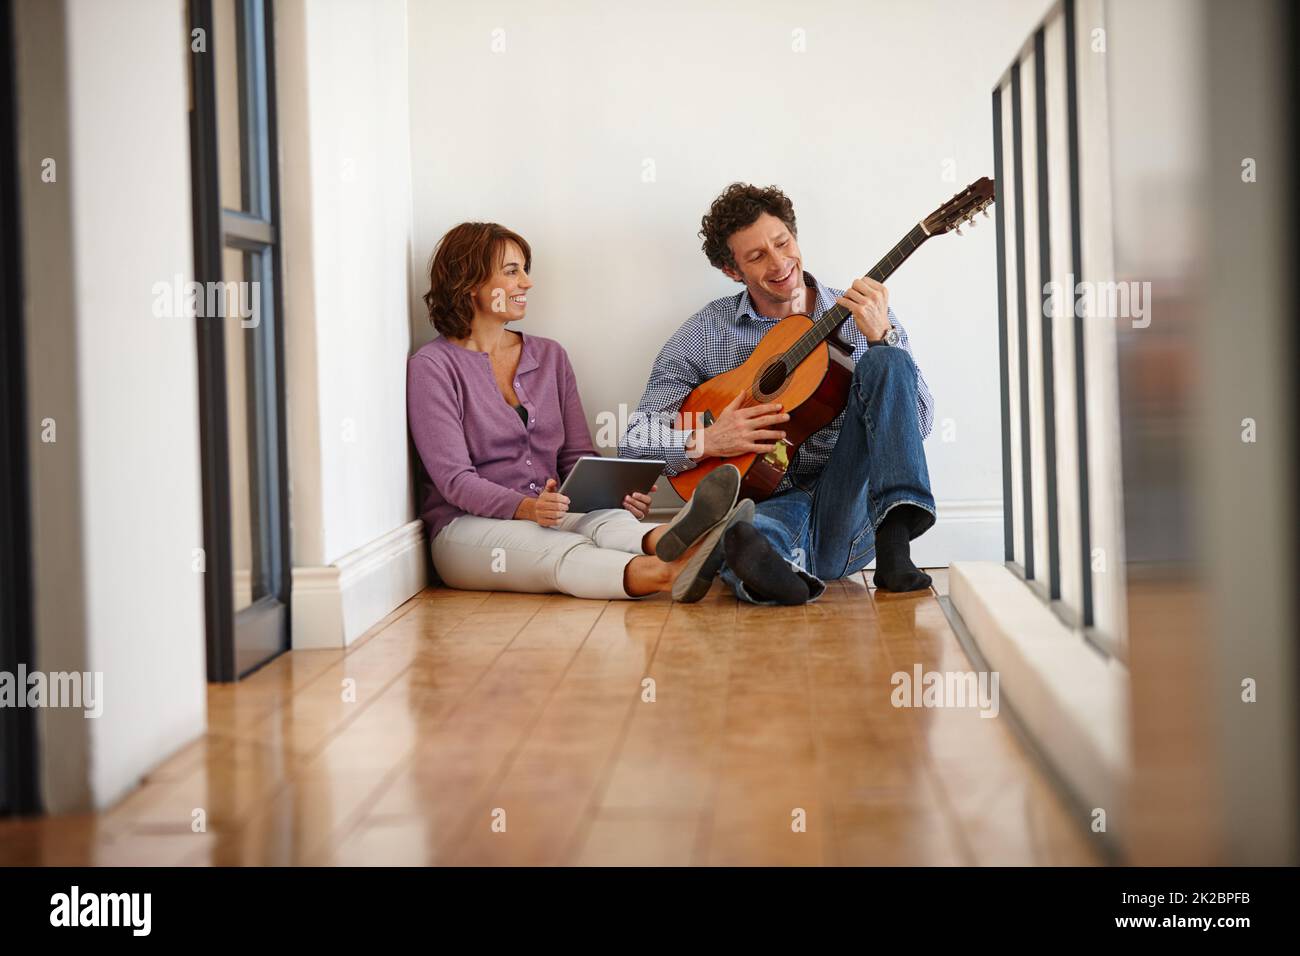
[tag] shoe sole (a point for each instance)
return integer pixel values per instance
(714, 498)
(697, 577)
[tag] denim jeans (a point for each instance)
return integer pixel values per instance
(825, 527)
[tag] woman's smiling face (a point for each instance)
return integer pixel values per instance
(504, 295)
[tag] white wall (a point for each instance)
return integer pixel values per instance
(345, 162)
(116, 124)
(345, 193)
(552, 134)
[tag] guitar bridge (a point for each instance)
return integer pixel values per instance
(779, 457)
(708, 418)
(767, 471)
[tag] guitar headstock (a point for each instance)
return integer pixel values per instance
(961, 208)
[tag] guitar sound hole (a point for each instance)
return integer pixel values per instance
(772, 379)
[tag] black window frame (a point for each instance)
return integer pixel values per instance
(1016, 310)
(19, 759)
(240, 642)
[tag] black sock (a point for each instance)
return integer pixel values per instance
(766, 575)
(894, 568)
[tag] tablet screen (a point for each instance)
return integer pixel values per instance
(596, 483)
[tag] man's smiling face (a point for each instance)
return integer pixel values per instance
(768, 262)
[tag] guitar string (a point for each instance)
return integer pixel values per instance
(805, 344)
(836, 315)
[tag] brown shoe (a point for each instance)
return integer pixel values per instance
(714, 497)
(697, 577)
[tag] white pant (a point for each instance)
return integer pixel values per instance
(584, 555)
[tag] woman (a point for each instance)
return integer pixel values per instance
(497, 421)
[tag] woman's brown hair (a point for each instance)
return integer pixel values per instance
(463, 259)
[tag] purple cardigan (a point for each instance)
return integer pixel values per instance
(478, 457)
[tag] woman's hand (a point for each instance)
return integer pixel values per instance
(638, 503)
(547, 508)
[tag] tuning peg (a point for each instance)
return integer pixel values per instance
(958, 230)
(985, 210)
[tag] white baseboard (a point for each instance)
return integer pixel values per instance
(1071, 700)
(964, 531)
(334, 605)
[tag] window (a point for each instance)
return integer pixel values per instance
(1058, 359)
(237, 263)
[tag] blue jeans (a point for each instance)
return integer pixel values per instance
(825, 526)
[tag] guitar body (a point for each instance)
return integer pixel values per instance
(813, 394)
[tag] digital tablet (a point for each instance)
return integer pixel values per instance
(596, 482)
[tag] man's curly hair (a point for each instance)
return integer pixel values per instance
(739, 206)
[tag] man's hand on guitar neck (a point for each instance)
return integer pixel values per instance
(738, 431)
(868, 300)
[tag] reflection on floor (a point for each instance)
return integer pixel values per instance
(472, 728)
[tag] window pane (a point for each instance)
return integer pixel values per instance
(225, 51)
(1011, 162)
(1037, 567)
(239, 48)
(245, 532)
(1059, 270)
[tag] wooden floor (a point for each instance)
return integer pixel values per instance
(463, 715)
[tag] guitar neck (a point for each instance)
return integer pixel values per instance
(834, 317)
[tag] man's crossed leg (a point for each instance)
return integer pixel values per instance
(872, 498)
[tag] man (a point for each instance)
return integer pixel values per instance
(858, 488)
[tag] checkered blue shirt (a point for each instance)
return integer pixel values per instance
(717, 339)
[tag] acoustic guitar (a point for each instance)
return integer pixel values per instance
(794, 363)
